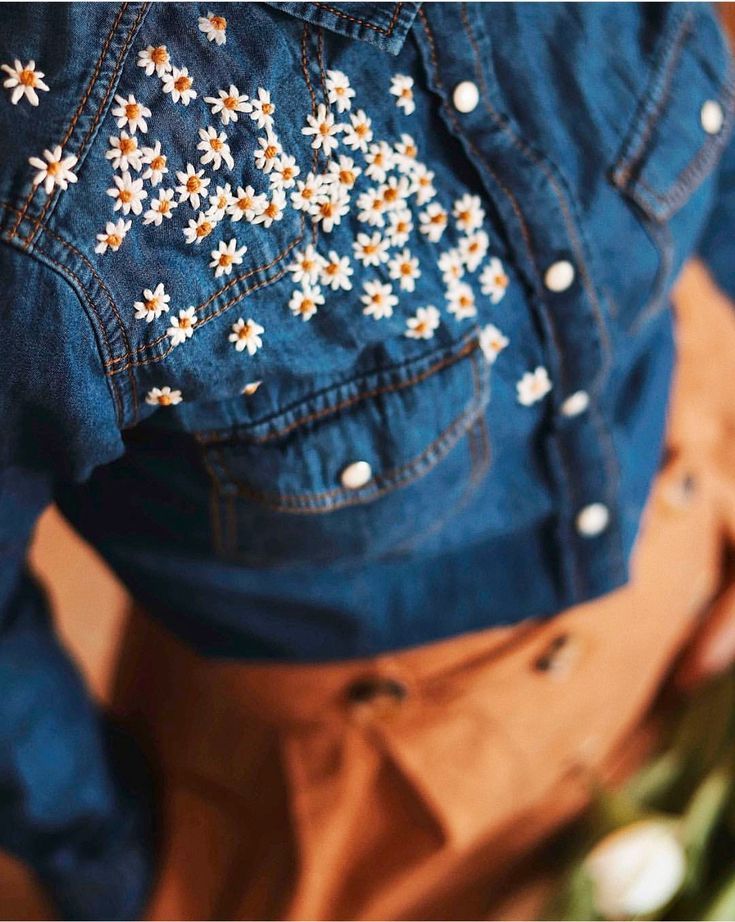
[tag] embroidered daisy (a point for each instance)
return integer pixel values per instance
(182, 327)
(336, 272)
(250, 388)
(433, 221)
(309, 192)
(192, 185)
(493, 280)
(23, 80)
(214, 27)
(400, 225)
(219, 203)
(155, 59)
(124, 153)
(163, 397)
(473, 249)
(322, 130)
(273, 211)
(198, 229)
(53, 170)
(394, 192)
(401, 87)
(160, 208)
(155, 163)
(180, 85)
(339, 91)
(246, 334)
(267, 152)
(451, 266)
(407, 152)
(404, 269)
(359, 132)
(343, 171)
(113, 236)
(306, 265)
(284, 172)
(214, 148)
(371, 207)
(371, 249)
(461, 299)
(154, 303)
(423, 324)
(492, 342)
(330, 211)
(262, 109)
(380, 159)
(131, 114)
(226, 256)
(422, 184)
(128, 193)
(247, 204)
(468, 213)
(228, 103)
(378, 299)
(305, 301)
(533, 386)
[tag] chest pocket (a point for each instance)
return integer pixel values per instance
(676, 138)
(365, 470)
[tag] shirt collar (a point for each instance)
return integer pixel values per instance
(383, 25)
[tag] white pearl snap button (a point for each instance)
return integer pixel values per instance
(559, 276)
(592, 520)
(356, 475)
(466, 96)
(575, 403)
(712, 116)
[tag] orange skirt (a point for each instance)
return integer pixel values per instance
(411, 785)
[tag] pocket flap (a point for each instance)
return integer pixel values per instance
(677, 134)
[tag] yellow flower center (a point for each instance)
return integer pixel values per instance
(53, 168)
(390, 194)
(203, 229)
(193, 184)
(438, 218)
(125, 196)
(128, 145)
(165, 400)
(410, 151)
(151, 304)
(164, 206)
(347, 177)
(27, 77)
(272, 210)
(215, 144)
(218, 22)
(132, 110)
(406, 269)
(229, 102)
(361, 129)
(182, 83)
(326, 209)
(226, 259)
(113, 240)
(324, 129)
(331, 269)
(184, 323)
(245, 202)
(267, 108)
(159, 55)
(158, 163)
(287, 172)
(270, 152)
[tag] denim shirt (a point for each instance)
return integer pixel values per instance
(339, 328)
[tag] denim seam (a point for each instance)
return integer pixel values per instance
(653, 102)
(208, 438)
(51, 201)
(77, 113)
(574, 226)
(363, 22)
(81, 294)
(417, 467)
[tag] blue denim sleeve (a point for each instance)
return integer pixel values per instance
(72, 788)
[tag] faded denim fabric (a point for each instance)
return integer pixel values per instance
(336, 328)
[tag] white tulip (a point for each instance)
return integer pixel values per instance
(637, 869)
